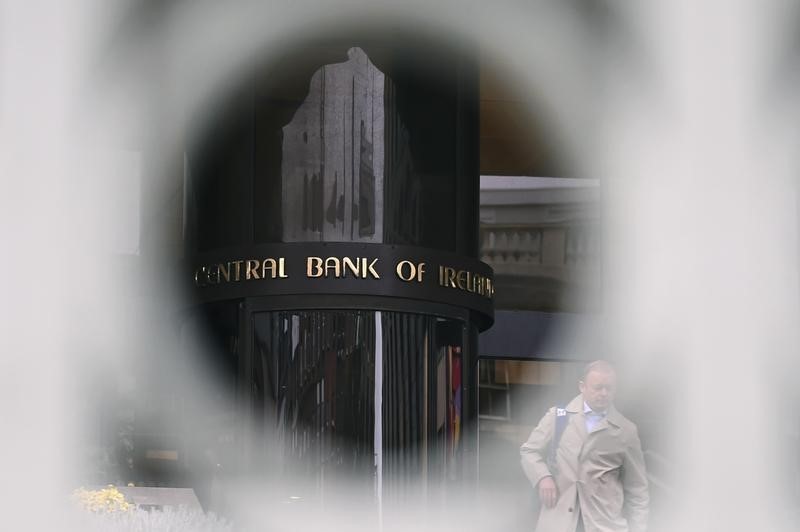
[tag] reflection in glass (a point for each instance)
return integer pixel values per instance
(313, 386)
(332, 156)
(338, 143)
(368, 397)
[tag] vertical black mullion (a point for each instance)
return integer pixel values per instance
(390, 393)
(395, 348)
(469, 368)
(245, 375)
(431, 428)
(403, 352)
(412, 383)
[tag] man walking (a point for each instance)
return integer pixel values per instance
(586, 462)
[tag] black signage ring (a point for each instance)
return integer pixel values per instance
(344, 268)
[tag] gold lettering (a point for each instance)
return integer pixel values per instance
(276, 268)
(252, 269)
(268, 264)
(271, 265)
(450, 277)
(332, 263)
(412, 270)
(224, 272)
(371, 268)
(355, 267)
(314, 267)
(420, 271)
(237, 271)
(213, 274)
(471, 281)
(460, 278)
(198, 276)
(463, 280)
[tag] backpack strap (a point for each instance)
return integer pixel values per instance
(562, 416)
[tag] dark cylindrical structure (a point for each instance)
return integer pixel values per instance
(331, 238)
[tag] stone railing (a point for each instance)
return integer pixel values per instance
(521, 249)
(502, 244)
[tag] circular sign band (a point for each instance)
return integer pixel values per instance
(344, 268)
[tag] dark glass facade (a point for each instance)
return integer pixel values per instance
(343, 143)
(371, 141)
(359, 396)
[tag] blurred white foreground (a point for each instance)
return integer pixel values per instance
(684, 111)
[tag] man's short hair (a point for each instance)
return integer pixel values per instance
(602, 366)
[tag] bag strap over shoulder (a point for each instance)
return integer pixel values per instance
(562, 416)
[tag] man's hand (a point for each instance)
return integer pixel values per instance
(548, 492)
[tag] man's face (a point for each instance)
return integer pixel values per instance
(598, 389)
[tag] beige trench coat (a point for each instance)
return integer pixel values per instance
(601, 474)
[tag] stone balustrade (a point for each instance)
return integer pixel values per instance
(519, 249)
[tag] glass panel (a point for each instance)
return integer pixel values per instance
(341, 143)
(313, 391)
(332, 156)
(316, 379)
